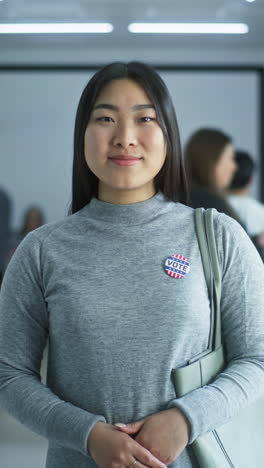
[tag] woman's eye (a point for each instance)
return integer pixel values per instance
(104, 119)
(147, 119)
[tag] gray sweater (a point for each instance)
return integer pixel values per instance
(118, 324)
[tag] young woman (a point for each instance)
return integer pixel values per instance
(102, 285)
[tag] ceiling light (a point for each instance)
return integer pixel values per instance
(189, 28)
(54, 28)
(250, 1)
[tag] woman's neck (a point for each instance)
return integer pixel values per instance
(125, 197)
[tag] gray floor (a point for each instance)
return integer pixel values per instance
(20, 448)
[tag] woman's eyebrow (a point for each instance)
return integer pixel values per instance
(143, 106)
(116, 108)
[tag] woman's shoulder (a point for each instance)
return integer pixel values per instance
(226, 226)
(50, 232)
(234, 244)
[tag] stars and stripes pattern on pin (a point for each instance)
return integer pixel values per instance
(177, 266)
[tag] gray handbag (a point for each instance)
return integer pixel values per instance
(239, 443)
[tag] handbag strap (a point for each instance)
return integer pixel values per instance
(204, 224)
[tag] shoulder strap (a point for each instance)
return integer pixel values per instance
(204, 224)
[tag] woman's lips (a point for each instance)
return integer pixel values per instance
(125, 161)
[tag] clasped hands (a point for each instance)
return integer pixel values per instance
(157, 441)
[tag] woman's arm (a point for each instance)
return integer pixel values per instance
(242, 314)
(23, 334)
(242, 381)
(24, 325)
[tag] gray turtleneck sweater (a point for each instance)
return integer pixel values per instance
(118, 323)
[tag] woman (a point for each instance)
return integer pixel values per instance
(210, 163)
(118, 318)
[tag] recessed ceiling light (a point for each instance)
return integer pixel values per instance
(189, 28)
(250, 1)
(54, 28)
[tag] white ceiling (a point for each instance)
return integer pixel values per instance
(122, 12)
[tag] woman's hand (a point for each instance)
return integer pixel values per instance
(111, 448)
(164, 434)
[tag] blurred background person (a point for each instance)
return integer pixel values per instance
(5, 214)
(250, 210)
(210, 165)
(31, 219)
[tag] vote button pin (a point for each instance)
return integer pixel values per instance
(177, 266)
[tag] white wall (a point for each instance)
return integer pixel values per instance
(163, 55)
(36, 148)
(37, 117)
(38, 166)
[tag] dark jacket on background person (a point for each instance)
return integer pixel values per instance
(201, 196)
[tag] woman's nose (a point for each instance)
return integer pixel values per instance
(124, 136)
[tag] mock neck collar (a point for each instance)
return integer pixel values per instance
(133, 213)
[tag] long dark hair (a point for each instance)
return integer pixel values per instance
(202, 151)
(171, 179)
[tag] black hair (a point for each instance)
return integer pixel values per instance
(171, 179)
(245, 169)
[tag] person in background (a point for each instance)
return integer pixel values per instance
(32, 219)
(118, 316)
(250, 210)
(5, 214)
(210, 166)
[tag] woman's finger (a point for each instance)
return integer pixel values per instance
(139, 465)
(144, 457)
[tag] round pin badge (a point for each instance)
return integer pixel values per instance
(177, 266)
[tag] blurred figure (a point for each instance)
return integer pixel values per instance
(5, 213)
(33, 218)
(250, 210)
(210, 165)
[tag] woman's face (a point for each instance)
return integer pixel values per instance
(225, 168)
(124, 145)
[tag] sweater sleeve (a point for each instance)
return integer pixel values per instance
(242, 316)
(24, 329)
